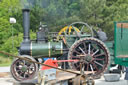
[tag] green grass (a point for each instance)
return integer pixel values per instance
(5, 64)
(5, 61)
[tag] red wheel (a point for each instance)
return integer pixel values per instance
(93, 55)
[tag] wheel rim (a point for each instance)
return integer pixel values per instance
(23, 70)
(93, 53)
(82, 26)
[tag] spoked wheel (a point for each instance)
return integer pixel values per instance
(93, 55)
(22, 70)
(79, 28)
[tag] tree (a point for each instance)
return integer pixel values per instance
(115, 10)
(91, 11)
(8, 8)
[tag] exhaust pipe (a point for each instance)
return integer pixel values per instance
(26, 25)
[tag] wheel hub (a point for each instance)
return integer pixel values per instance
(88, 58)
(24, 68)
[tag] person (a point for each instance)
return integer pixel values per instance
(102, 35)
(126, 74)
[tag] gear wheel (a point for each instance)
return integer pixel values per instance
(93, 54)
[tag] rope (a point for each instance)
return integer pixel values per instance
(5, 53)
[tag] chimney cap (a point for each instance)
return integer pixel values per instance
(25, 9)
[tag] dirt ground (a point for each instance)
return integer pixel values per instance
(4, 74)
(6, 79)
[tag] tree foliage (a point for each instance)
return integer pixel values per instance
(57, 14)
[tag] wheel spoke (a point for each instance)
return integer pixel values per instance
(32, 67)
(95, 66)
(87, 67)
(17, 66)
(20, 63)
(77, 52)
(28, 63)
(89, 49)
(21, 73)
(18, 71)
(24, 62)
(98, 63)
(91, 68)
(82, 69)
(24, 75)
(75, 30)
(95, 52)
(81, 29)
(84, 46)
(82, 51)
(98, 59)
(28, 71)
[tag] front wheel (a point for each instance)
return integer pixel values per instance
(22, 70)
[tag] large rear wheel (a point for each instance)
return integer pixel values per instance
(93, 55)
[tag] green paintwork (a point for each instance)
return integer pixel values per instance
(71, 39)
(121, 44)
(47, 49)
(110, 45)
(42, 49)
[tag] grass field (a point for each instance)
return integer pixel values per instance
(5, 61)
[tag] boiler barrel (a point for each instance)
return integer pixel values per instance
(49, 49)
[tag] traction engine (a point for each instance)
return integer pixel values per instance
(78, 42)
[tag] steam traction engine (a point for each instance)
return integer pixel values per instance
(78, 42)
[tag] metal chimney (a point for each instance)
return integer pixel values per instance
(26, 25)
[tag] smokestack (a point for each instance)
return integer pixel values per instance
(26, 25)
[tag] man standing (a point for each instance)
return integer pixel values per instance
(126, 75)
(102, 35)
